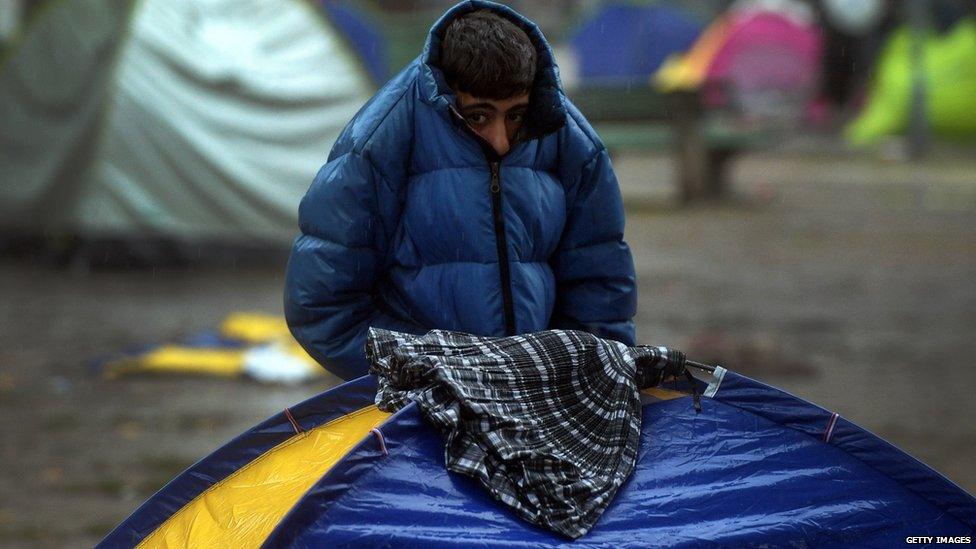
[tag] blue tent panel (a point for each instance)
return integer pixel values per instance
(363, 35)
(625, 44)
(728, 476)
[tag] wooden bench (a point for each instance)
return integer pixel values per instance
(642, 119)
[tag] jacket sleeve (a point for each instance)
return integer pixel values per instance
(595, 280)
(335, 264)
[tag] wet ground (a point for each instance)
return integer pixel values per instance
(849, 282)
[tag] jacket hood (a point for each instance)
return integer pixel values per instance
(547, 109)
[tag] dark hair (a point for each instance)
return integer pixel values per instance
(487, 56)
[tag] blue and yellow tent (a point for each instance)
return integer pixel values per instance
(757, 467)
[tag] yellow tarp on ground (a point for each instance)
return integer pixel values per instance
(266, 352)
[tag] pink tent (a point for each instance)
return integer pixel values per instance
(769, 63)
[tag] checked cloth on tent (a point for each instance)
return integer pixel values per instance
(548, 422)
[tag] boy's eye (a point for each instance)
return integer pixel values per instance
(476, 119)
(516, 117)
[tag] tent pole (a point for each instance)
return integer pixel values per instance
(918, 128)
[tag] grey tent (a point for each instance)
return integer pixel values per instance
(187, 119)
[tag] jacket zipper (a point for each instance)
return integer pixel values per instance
(501, 243)
(502, 246)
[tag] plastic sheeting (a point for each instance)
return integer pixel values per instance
(757, 467)
(174, 117)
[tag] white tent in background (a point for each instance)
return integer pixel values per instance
(191, 119)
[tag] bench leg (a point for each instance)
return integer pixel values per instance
(716, 184)
(691, 150)
(691, 155)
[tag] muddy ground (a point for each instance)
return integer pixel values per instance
(848, 281)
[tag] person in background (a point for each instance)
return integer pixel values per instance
(468, 195)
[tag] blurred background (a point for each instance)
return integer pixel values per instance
(799, 177)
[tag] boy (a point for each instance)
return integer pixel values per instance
(467, 195)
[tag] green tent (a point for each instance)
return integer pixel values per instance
(949, 73)
(186, 119)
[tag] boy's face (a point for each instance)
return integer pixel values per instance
(496, 120)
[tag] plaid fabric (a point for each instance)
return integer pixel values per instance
(548, 422)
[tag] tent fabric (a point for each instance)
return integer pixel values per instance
(363, 35)
(768, 52)
(52, 96)
(689, 70)
(755, 58)
(177, 118)
(258, 502)
(949, 73)
(624, 44)
(757, 467)
(210, 474)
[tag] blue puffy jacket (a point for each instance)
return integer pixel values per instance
(413, 224)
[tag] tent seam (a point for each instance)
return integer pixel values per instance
(927, 469)
(376, 463)
(292, 439)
